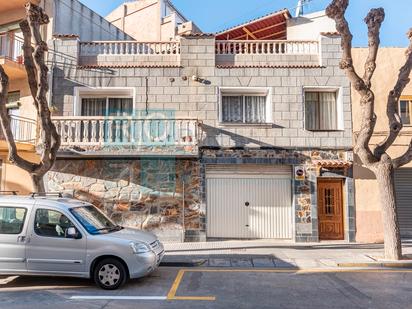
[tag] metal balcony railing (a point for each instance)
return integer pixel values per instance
(11, 47)
(24, 129)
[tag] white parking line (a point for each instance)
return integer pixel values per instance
(119, 297)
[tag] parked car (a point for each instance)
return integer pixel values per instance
(55, 236)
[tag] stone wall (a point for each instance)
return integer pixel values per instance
(148, 194)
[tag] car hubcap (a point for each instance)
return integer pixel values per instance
(109, 275)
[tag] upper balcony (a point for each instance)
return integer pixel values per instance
(113, 53)
(267, 52)
(11, 55)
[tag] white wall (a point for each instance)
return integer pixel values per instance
(308, 27)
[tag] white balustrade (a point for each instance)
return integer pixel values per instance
(102, 131)
(129, 48)
(268, 47)
(23, 129)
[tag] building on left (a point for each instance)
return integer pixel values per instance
(68, 16)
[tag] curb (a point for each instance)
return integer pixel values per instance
(377, 264)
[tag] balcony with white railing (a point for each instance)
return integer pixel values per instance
(130, 135)
(11, 54)
(112, 53)
(23, 129)
(267, 52)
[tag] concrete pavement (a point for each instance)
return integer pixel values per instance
(270, 254)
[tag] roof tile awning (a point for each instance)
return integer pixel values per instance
(333, 163)
(269, 27)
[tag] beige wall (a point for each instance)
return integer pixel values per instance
(27, 108)
(140, 19)
(15, 178)
(390, 60)
(308, 27)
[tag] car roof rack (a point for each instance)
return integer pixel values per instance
(34, 194)
(5, 192)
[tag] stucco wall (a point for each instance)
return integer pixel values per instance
(73, 17)
(389, 61)
(308, 27)
(140, 19)
(14, 178)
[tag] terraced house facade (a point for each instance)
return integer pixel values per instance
(241, 134)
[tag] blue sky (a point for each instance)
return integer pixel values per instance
(216, 15)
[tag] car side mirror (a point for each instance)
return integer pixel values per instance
(71, 232)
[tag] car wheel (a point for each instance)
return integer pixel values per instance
(110, 274)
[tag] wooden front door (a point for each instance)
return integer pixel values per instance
(330, 209)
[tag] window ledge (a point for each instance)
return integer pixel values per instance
(265, 125)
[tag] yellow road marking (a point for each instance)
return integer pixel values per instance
(173, 290)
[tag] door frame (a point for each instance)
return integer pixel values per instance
(342, 184)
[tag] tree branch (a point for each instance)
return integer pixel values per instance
(6, 126)
(374, 21)
(395, 122)
(403, 159)
(336, 11)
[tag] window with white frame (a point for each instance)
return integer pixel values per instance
(405, 108)
(104, 102)
(322, 110)
(245, 106)
(106, 106)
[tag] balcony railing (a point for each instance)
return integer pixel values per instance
(267, 47)
(126, 131)
(24, 129)
(129, 48)
(11, 47)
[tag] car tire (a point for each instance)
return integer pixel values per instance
(110, 274)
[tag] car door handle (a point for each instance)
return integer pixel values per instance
(23, 239)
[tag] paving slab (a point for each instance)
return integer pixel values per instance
(287, 263)
(241, 262)
(263, 262)
(219, 263)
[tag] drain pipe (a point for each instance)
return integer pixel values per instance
(183, 211)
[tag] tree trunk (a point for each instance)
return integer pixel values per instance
(392, 238)
(38, 183)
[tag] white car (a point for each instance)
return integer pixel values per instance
(55, 236)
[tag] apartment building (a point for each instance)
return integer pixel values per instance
(68, 16)
(246, 133)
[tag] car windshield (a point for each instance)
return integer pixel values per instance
(94, 221)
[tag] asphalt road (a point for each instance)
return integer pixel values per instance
(221, 288)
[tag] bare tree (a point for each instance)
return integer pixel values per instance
(377, 160)
(34, 61)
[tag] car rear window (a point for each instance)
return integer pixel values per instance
(12, 219)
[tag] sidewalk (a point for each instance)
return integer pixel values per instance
(274, 254)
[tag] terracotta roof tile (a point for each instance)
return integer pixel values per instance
(198, 35)
(294, 66)
(330, 33)
(58, 35)
(256, 19)
(126, 66)
(333, 163)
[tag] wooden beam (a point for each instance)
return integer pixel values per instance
(272, 34)
(249, 33)
(269, 27)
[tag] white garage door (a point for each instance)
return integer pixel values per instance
(249, 202)
(403, 185)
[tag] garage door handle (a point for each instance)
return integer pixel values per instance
(247, 204)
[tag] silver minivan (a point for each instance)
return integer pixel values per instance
(56, 236)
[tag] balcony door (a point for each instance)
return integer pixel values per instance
(106, 106)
